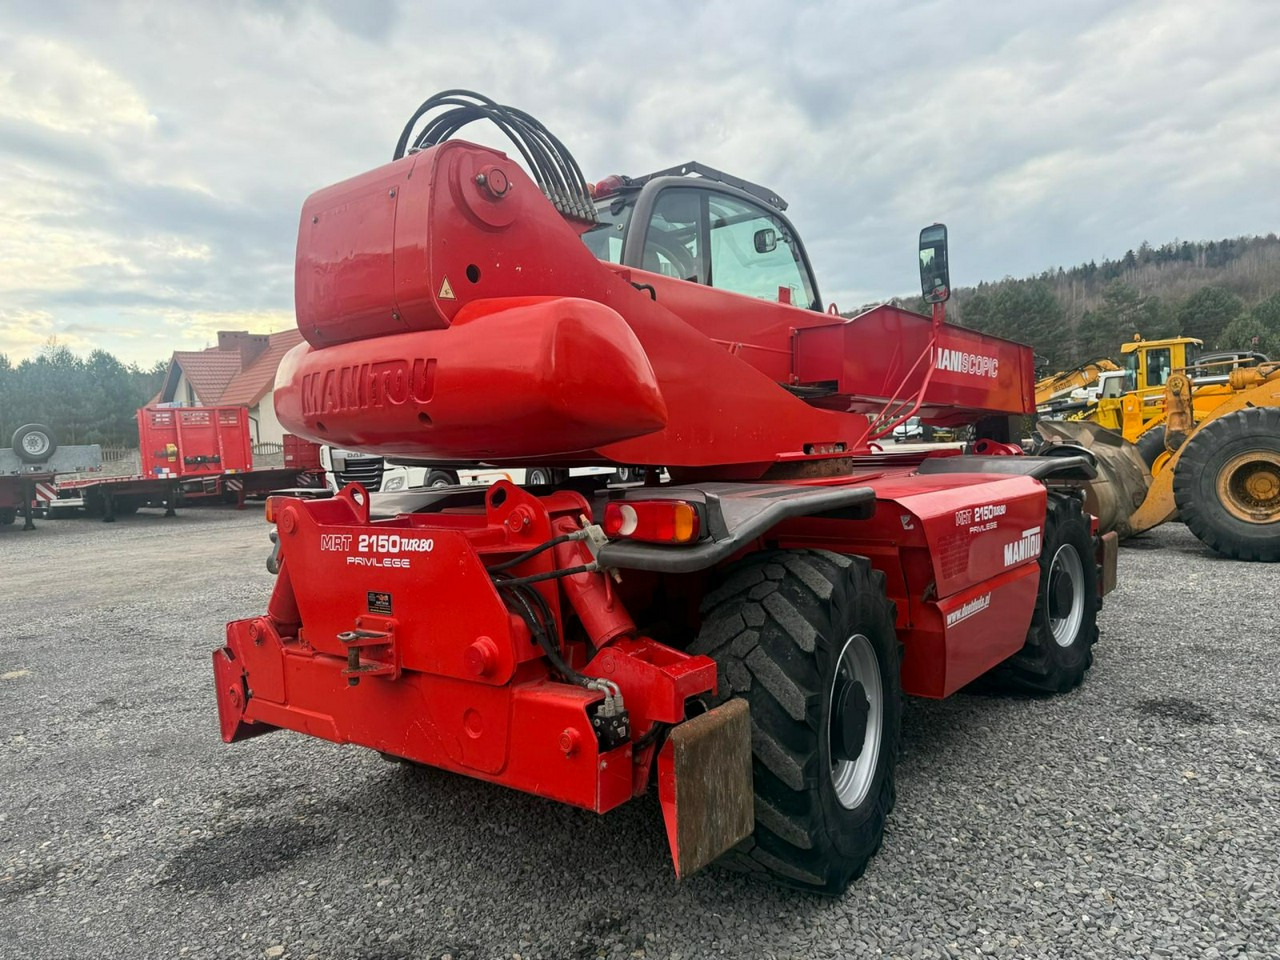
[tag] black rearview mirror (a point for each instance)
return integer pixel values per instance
(935, 278)
(766, 240)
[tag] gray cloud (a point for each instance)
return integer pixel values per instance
(153, 157)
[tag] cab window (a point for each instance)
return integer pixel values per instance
(754, 253)
(604, 240)
(1158, 368)
(1131, 372)
(673, 243)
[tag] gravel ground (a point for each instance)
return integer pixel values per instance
(1137, 816)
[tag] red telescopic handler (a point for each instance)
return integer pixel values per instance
(736, 632)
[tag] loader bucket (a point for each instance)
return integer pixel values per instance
(705, 786)
(1123, 478)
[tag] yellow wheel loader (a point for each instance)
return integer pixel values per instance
(1217, 468)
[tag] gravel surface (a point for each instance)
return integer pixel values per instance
(1137, 816)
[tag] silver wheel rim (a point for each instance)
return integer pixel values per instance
(35, 444)
(852, 779)
(1066, 572)
(440, 483)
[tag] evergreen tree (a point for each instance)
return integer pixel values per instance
(1206, 313)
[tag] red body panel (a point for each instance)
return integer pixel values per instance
(194, 441)
(976, 374)
(937, 558)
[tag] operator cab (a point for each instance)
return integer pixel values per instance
(697, 224)
(1149, 363)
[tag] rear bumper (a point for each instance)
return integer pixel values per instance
(398, 640)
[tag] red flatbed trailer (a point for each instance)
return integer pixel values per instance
(740, 636)
(190, 454)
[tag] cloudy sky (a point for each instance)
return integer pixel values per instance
(154, 156)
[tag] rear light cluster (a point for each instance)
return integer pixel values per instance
(655, 521)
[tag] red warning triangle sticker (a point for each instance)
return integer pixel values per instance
(446, 291)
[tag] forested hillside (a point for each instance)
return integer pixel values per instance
(1224, 292)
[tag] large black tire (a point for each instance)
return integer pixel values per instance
(7, 516)
(780, 627)
(1064, 626)
(1150, 445)
(1226, 485)
(34, 443)
(441, 478)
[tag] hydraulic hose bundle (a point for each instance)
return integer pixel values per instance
(547, 159)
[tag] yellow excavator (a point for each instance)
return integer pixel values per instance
(1217, 460)
(1058, 388)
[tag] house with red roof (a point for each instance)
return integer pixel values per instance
(239, 371)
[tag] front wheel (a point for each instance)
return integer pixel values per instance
(1227, 484)
(807, 638)
(1064, 626)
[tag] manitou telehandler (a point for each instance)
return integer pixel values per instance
(740, 636)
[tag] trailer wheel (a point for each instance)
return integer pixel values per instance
(442, 478)
(34, 443)
(1064, 626)
(546, 476)
(7, 516)
(1227, 484)
(807, 638)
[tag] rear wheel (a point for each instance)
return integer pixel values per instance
(1064, 626)
(442, 478)
(545, 476)
(1227, 484)
(7, 516)
(1151, 445)
(807, 638)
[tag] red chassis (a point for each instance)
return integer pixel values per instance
(432, 666)
(452, 314)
